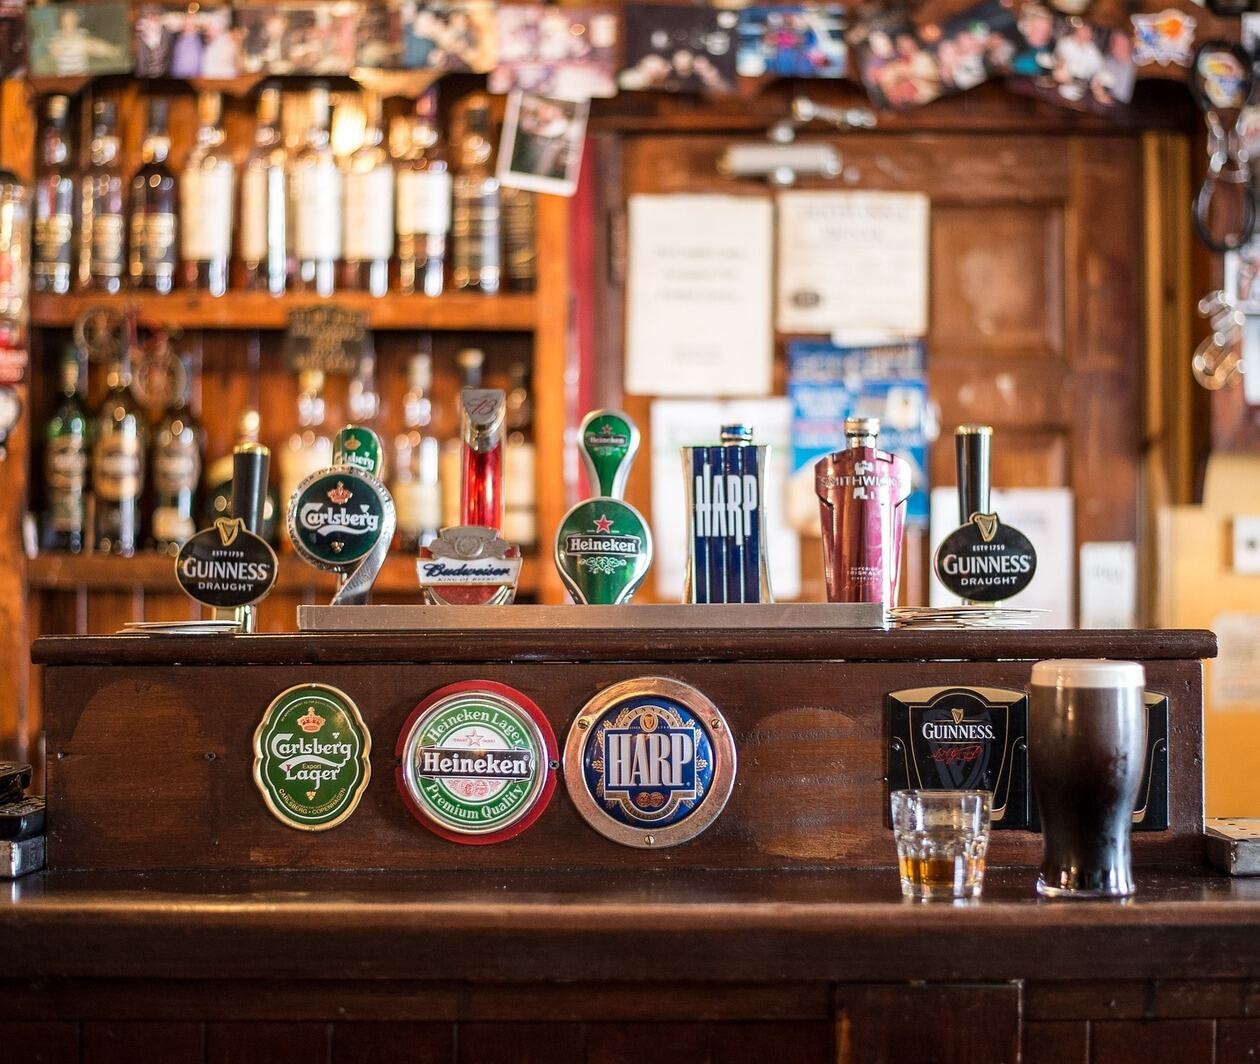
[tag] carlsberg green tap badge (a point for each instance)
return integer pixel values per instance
(311, 756)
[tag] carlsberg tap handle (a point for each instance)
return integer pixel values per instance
(973, 449)
(608, 440)
(359, 447)
(251, 463)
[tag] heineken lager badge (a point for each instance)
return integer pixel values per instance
(359, 447)
(342, 519)
(603, 551)
(311, 757)
(469, 565)
(726, 522)
(476, 762)
(226, 566)
(649, 762)
(608, 440)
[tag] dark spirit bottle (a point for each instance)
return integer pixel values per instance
(208, 187)
(415, 487)
(368, 242)
(424, 203)
(176, 464)
(862, 494)
(518, 467)
(103, 226)
(119, 448)
(154, 202)
(475, 229)
(520, 242)
(67, 439)
(55, 191)
(264, 201)
(219, 481)
(317, 202)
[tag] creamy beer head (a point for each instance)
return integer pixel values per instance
(1088, 673)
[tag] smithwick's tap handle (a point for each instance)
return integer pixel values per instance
(251, 464)
(608, 440)
(973, 448)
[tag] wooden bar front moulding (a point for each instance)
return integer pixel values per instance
(149, 740)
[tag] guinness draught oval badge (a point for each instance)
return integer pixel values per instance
(311, 756)
(649, 762)
(226, 565)
(477, 762)
(985, 560)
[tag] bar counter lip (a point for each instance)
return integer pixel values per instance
(634, 643)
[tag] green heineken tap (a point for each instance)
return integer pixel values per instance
(604, 546)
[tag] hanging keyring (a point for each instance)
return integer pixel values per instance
(1217, 361)
(1221, 80)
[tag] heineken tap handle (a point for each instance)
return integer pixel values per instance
(251, 464)
(973, 449)
(608, 440)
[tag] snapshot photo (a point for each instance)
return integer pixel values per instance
(12, 38)
(298, 38)
(792, 41)
(568, 52)
(541, 149)
(1078, 65)
(975, 45)
(78, 40)
(451, 37)
(186, 41)
(380, 38)
(896, 68)
(679, 49)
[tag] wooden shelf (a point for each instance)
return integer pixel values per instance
(156, 573)
(259, 310)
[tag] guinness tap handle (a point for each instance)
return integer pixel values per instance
(973, 448)
(251, 464)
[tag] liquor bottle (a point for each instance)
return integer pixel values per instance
(152, 256)
(264, 201)
(103, 258)
(309, 448)
(862, 494)
(67, 438)
(424, 203)
(317, 202)
(475, 222)
(219, 481)
(208, 186)
(369, 214)
(518, 462)
(54, 203)
(176, 464)
(470, 362)
(363, 402)
(415, 485)
(119, 447)
(520, 242)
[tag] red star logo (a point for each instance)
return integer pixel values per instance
(603, 523)
(474, 738)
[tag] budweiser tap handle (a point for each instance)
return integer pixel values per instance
(483, 417)
(973, 448)
(251, 464)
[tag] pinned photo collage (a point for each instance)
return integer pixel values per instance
(792, 41)
(679, 48)
(179, 42)
(568, 52)
(1068, 61)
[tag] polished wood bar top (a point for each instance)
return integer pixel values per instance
(680, 924)
(630, 642)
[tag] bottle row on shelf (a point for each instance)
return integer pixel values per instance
(325, 200)
(116, 481)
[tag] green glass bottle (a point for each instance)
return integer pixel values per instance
(67, 439)
(119, 449)
(177, 455)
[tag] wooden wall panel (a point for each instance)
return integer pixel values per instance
(127, 1043)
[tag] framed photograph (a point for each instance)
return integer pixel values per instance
(186, 41)
(568, 52)
(1083, 66)
(12, 38)
(78, 40)
(298, 38)
(679, 49)
(457, 37)
(541, 148)
(792, 41)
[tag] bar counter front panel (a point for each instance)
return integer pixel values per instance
(177, 904)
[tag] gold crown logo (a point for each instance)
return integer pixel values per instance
(310, 721)
(352, 443)
(340, 495)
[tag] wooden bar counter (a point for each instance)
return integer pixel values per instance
(180, 921)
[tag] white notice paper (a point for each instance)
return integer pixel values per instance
(1044, 515)
(1236, 671)
(683, 423)
(1108, 587)
(698, 296)
(853, 262)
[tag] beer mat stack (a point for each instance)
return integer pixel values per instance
(966, 617)
(224, 627)
(1233, 844)
(21, 822)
